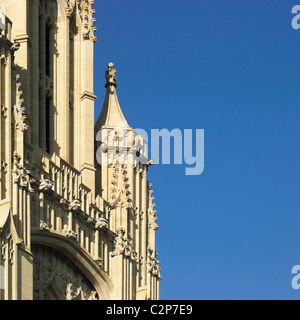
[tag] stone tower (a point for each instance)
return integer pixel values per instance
(77, 218)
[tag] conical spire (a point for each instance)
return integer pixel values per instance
(111, 115)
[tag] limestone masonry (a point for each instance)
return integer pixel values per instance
(71, 227)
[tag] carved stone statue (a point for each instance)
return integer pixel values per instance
(110, 75)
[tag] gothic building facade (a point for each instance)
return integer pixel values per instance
(77, 218)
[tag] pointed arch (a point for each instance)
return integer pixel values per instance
(80, 258)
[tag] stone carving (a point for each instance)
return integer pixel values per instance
(101, 223)
(152, 222)
(25, 181)
(44, 226)
(151, 212)
(150, 162)
(20, 117)
(15, 46)
(16, 167)
(58, 177)
(20, 174)
(86, 14)
(46, 185)
(70, 8)
(152, 263)
(4, 110)
(110, 75)
(142, 173)
(119, 243)
(4, 166)
(74, 205)
(19, 110)
(71, 234)
(99, 262)
(119, 190)
(54, 278)
(103, 147)
(141, 215)
(123, 246)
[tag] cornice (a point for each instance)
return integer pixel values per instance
(88, 95)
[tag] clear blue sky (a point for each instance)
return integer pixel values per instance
(232, 68)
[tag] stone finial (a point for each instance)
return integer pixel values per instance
(110, 75)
